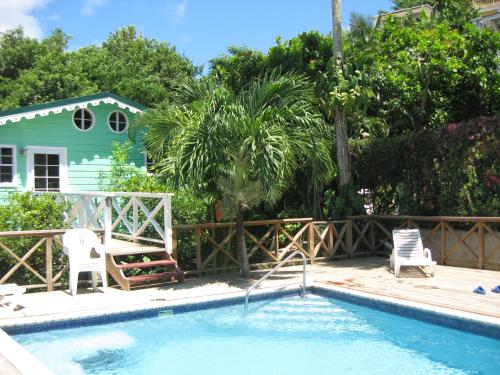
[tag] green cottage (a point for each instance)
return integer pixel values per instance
(63, 145)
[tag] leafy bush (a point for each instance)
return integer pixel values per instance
(453, 170)
(347, 203)
(26, 212)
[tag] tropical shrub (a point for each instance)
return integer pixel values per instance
(452, 170)
(24, 211)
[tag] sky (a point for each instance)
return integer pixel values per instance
(199, 29)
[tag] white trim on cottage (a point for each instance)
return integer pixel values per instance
(66, 107)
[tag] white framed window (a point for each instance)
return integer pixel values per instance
(8, 163)
(118, 121)
(47, 168)
(83, 119)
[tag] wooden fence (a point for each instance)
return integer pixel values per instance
(210, 248)
(472, 242)
(48, 264)
(267, 241)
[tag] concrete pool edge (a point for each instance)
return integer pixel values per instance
(22, 360)
(19, 358)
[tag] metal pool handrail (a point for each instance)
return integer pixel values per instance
(304, 262)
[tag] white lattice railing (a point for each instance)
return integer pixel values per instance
(131, 216)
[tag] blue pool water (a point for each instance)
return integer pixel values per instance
(289, 336)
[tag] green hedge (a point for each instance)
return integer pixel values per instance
(453, 170)
(23, 211)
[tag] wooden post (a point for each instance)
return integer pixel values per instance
(167, 223)
(442, 250)
(480, 249)
(174, 245)
(310, 240)
(198, 250)
(82, 214)
(107, 222)
(372, 236)
(135, 218)
(330, 237)
(349, 238)
(277, 240)
(48, 264)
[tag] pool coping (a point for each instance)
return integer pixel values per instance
(25, 362)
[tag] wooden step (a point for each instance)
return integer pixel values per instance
(179, 275)
(154, 263)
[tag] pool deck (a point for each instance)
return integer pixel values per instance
(451, 287)
(449, 290)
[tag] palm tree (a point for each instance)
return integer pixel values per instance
(243, 148)
(340, 120)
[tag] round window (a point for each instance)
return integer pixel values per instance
(83, 119)
(118, 122)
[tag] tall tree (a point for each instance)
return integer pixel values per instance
(340, 120)
(243, 148)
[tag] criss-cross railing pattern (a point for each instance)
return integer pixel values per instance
(210, 248)
(458, 241)
(130, 216)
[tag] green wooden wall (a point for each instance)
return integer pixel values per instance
(88, 152)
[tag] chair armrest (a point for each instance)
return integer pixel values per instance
(100, 249)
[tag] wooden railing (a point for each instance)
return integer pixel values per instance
(267, 241)
(49, 265)
(130, 216)
(210, 248)
(472, 242)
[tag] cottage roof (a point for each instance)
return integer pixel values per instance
(29, 112)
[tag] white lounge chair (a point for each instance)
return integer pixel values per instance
(78, 245)
(409, 251)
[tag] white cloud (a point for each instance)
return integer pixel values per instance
(15, 13)
(176, 10)
(89, 6)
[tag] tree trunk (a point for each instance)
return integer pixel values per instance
(338, 52)
(343, 156)
(241, 248)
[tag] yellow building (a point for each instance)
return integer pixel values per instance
(489, 13)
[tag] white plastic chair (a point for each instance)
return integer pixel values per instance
(9, 294)
(409, 251)
(78, 245)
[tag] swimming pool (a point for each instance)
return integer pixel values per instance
(288, 335)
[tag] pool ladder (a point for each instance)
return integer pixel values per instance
(280, 264)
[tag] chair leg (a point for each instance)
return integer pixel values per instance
(94, 280)
(73, 282)
(396, 269)
(104, 277)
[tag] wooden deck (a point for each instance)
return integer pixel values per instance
(451, 287)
